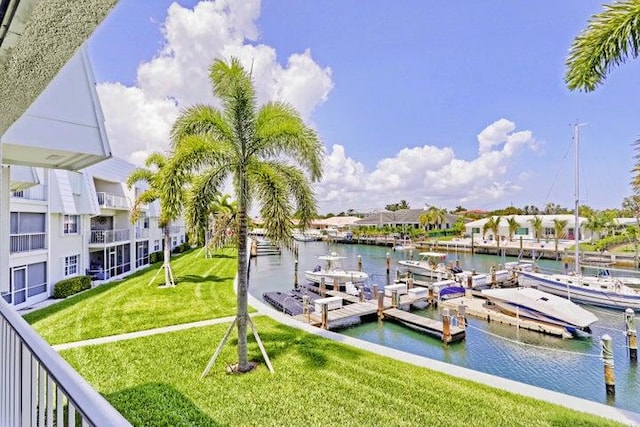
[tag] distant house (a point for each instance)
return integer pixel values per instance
(405, 217)
(525, 229)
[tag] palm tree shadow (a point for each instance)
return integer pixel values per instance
(158, 404)
(185, 279)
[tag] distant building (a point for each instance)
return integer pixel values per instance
(525, 229)
(405, 217)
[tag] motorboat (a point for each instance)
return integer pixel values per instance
(543, 307)
(606, 292)
(430, 266)
(306, 237)
(448, 289)
(332, 271)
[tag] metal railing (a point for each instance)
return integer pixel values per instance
(108, 200)
(142, 233)
(38, 387)
(37, 192)
(109, 236)
(27, 242)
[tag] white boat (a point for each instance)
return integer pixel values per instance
(332, 270)
(430, 265)
(306, 237)
(542, 307)
(601, 291)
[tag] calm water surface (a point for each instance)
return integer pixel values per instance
(567, 366)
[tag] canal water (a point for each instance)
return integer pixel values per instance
(570, 366)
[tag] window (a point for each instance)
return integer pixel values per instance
(522, 231)
(27, 223)
(71, 224)
(71, 265)
(26, 281)
(156, 245)
(475, 230)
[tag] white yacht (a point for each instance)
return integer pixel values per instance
(332, 270)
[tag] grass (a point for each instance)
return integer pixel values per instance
(316, 382)
(153, 381)
(204, 290)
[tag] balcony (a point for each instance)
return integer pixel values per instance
(142, 233)
(38, 192)
(109, 236)
(39, 387)
(27, 242)
(108, 200)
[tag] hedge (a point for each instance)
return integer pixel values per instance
(155, 257)
(67, 287)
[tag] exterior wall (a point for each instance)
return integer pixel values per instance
(64, 245)
(524, 221)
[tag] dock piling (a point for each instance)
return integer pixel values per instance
(360, 295)
(336, 285)
(305, 307)
(381, 305)
(631, 332)
(325, 316)
(446, 326)
(462, 316)
(388, 264)
(295, 274)
(323, 287)
(375, 292)
(607, 360)
(359, 263)
(394, 298)
(410, 283)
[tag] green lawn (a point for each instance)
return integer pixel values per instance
(317, 382)
(204, 290)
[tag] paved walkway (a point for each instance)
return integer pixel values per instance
(145, 333)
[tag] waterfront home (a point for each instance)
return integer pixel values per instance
(408, 218)
(525, 228)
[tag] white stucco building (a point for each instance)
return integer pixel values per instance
(526, 229)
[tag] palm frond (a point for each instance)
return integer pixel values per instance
(609, 39)
(140, 174)
(148, 196)
(156, 159)
(280, 130)
(200, 201)
(200, 120)
(302, 193)
(273, 194)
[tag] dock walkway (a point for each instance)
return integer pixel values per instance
(424, 324)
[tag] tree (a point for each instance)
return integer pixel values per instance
(155, 175)
(513, 225)
(609, 39)
(536, 223)
(494, 225)
(558, 231)
(269, 155)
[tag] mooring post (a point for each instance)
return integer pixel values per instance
(360, 294)
(325, 316)
(632, 334)
(410, 283)
(359, 263)
(462, 316)
(380, 305)
(305, 305)
(394, 298)
(607, 360)
(446, 326)
(388, 264)
(323, 287)
(336, 286)
(254, 247)
(375, 292)
(430, 298)
(295, 274)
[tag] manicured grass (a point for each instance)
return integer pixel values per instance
(153, 381)
(204, 290)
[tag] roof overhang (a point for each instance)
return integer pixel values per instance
(40, 38)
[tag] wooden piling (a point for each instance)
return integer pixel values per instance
(462, 316)
(323, 287)
(631, 332)
(336, 285)
(388, 264)
(295, 274)
(254, 247)
(375, 292)
(430, 297)
(410, 283)
(446, 326)
(381, 305)
(325, 316)
(305, 305)
(360, 294)
(394, 298)
(359, 263)
(607, 360)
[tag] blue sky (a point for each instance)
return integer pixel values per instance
(399, 93)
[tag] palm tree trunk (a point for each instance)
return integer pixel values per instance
(242, 313)
(167, 256)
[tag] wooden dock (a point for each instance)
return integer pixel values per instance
(477, 307)
(424, 324)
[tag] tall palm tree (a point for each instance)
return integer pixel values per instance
(611, 37)
(154, 174)
(536, 223)
(268, 153)
(438, 215)
(558, 230)
(513, 225)
(494, 225)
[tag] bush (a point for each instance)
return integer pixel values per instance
(155, 257)
(67, 287)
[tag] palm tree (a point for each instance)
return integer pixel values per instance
(536, 223)
(154, 175)
(513, 225)
(494, 225)
(266, 152)
(610, 38)
(558, 231)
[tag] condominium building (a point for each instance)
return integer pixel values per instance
(64, 224)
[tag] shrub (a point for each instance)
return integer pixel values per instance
(71, 286)
(155, 257)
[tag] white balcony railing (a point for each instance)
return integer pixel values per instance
(27, 242)
(142, 233)
(38, 387)
(108, 200)
(109, 236)
(37, 192)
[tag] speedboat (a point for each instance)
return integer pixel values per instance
(606, 292)
(332, 271)
(306, 237)
(544, 307)
(430, 265)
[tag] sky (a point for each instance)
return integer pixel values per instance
(437, 103)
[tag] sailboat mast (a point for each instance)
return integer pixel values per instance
(576, 218)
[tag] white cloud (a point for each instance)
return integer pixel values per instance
(428, 174)
(138, 118)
